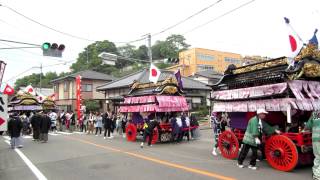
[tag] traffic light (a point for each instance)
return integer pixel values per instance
(53, 49)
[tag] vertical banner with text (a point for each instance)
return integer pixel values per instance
(78, 95)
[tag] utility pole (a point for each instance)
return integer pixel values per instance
(149, 47)
(40, 76)
(87, 55)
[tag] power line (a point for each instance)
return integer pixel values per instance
(45, 26)
(36, 54)
(188, 18)
(18, 48)
(222, 15)
(14, 77)
(27, 70)
(17, 42)
(61, 32)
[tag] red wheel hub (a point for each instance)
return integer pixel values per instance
(281, 153)
(228, 145)
(131, 132)
(155, 136)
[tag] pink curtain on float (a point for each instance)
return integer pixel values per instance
(154, 104)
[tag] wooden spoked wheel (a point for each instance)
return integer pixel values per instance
(131, 132)
(228, 145)
(281, 153)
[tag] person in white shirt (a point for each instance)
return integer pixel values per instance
(53, 117)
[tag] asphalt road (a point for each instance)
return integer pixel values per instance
(82, 157)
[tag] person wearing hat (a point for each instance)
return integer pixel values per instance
(313, 124)
(252, 137)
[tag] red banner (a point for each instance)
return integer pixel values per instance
(78, 96)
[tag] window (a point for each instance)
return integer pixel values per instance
(232, 60)
(204, 67)
(65, 86)
(205, 57)
(86, 87)
(55, 88)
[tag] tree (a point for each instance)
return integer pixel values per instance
(169, 48)
(178, 42)
(34, 80)
(89, 58)
(142, 53)
(91, 105)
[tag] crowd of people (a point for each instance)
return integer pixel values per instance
(39, 124)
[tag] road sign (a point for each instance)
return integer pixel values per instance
(3, 112)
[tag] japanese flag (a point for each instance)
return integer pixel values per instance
(53, 96)
(30, 90)
(295, 41)
(154, 74)
(41, 97)
(8, 90)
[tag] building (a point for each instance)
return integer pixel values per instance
(197, 93)
(209, 77)
(65, 88)
(199, 59)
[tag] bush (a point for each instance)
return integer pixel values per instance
(201, 111)
(92, 105)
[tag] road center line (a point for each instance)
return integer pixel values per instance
(33, 168)
(158, 161)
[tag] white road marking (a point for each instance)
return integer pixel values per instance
(76, 132)
(64, 133)
(6, 137)
(33, 168)
(27, 137)
(53, 134)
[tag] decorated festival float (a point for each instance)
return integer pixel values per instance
(148, 100)
(28, 100)
(290, 92)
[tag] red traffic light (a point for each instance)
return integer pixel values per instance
(54, 46)
(61, 47)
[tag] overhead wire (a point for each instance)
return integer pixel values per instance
(188, 18)
(14, 77)
(33, 67)
(218, 17)
(62, 32)
(33, 53)
(46, 26)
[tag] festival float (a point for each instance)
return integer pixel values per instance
(290, 92)
(153, 101)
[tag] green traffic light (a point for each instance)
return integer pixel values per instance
(45, 46)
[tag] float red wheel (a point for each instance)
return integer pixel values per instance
(281, 153)
(155, 136)
(228, 145)
(131, 132)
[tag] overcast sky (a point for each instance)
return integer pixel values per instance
(255, 29)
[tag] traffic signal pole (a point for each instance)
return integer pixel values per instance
(40, 77)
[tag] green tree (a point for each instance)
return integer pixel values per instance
(91, 105)
(89, 58)
(169, 48)
(34, 80)
(142, 53)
